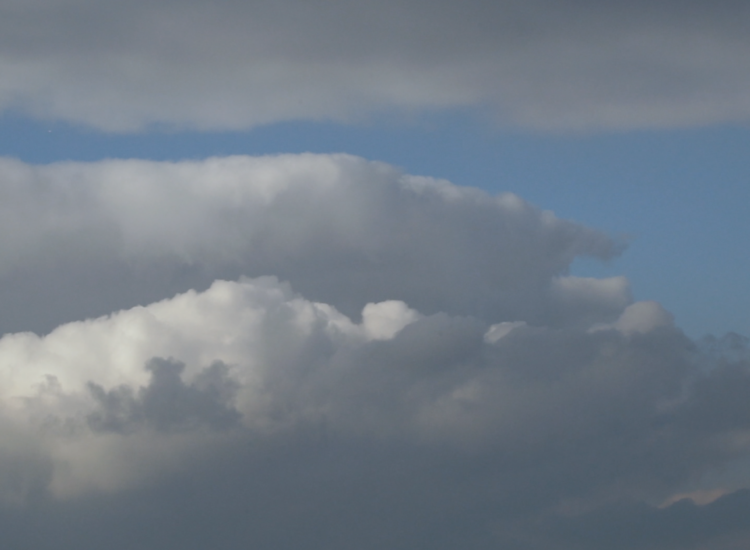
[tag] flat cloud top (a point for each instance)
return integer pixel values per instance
(93, 238)
(232, 65)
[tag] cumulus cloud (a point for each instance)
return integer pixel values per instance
(233, 65)
(323, 352)
(497, 432)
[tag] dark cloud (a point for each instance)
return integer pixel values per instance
(434, 435)
(167, 403)
(551, 65)
(721, 525)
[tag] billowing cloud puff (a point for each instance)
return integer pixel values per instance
(323, 352)
(231, 65)
(522, 425)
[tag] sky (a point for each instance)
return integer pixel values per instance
(345, 274)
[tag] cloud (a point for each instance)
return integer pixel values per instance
(287, 410)
(318, 351)
(167, 402)
(233, 65)
(94, 238)
(721, 524)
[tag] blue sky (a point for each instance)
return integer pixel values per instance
(406, 274)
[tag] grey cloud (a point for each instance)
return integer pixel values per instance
(167, 403)
(720, 525)
(549, 65)
(25, 473)
(720, 400)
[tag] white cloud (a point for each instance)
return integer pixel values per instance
(232, 65)
(382, 321)
(644, 317)
(639, 317)
(94, 238)
(501, 330)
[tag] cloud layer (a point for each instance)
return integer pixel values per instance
(93, 238)
(324, 352)
(233, 65)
